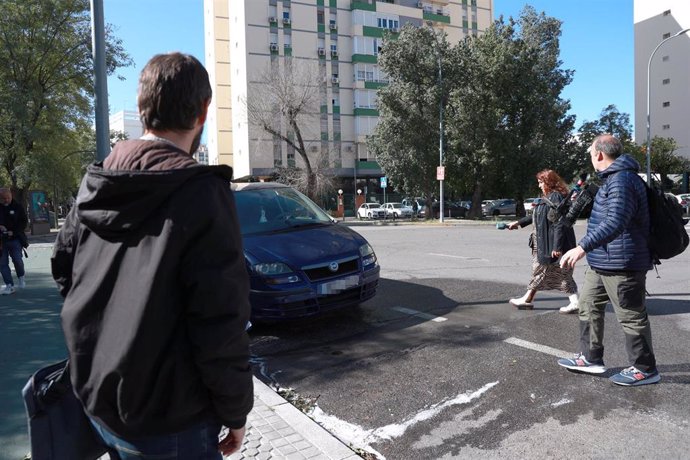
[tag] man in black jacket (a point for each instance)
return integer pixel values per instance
(151, 266)
(13, 222)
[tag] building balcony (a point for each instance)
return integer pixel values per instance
(361, 5)
(436, 17)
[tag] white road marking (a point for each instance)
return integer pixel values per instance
(537, 347)
(419, 314)
(357, 436)
(458, 257)
(561, 402)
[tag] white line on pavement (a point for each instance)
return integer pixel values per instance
(536, 347)
(419, 314)
(355, 435)
(458, 257)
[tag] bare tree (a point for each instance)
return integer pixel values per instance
(284, 102)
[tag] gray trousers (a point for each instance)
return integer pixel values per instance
(626, 291)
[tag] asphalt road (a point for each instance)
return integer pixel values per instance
(439, 365)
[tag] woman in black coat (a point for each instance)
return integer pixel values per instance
(549, 241)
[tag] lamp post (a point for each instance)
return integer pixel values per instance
(440, 120)
(649, 129)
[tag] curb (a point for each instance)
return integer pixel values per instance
(328, 444)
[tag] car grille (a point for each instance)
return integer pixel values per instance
(321, 304)
(323, 272)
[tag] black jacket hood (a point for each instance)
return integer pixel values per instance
(110, 202)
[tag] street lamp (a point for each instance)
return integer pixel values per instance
(440, 121)
(649, 132)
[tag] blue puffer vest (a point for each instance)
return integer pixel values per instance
(618, 229)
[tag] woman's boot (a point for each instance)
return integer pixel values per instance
(524, 302)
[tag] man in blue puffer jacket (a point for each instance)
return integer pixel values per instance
(616, 245)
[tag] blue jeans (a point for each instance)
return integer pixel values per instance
(11, 248)
(199, 442)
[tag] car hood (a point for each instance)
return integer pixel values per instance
(301, 247)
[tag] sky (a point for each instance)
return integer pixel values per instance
(596, 42)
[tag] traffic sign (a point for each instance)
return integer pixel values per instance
(384, 182)
(440, 172)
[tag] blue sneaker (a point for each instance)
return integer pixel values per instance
(633, 377)
(580, 364)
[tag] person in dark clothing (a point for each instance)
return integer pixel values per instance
(151, 266)
(13, 222)
(616, 245)
(548, 241)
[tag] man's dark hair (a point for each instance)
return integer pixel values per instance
(608, 145)
(173, 89)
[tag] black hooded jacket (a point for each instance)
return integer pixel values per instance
(151, 267)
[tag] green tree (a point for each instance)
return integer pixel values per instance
(611, 121)
(406, 139)
(46, 81)
(510, 120)
(664, 159)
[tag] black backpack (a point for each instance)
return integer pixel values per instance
(667, 234)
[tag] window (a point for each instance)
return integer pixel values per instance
(666, 35)
(666, 104)
(666, 81)
(665, 127)
(286, 14)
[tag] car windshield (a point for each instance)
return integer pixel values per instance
(276, 209)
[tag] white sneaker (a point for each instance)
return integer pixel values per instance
(570, 308)
(21, 284)
(7, 290)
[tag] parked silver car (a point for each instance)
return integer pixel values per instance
(396, 210)
(500, 207)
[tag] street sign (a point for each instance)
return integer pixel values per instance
(384, 182)
(440, 172)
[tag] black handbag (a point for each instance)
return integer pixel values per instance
(58, 426)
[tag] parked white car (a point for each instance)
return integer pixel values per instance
(684, 200)
(529, 205)
(371, 211)
(396, 210)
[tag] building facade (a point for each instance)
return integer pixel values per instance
(341, 40)
(669, 81)
(128, 122)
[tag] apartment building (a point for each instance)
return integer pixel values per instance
(128, 122)
(339, 38)
(669, 81)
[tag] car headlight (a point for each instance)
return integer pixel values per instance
(275, 273)
(368, 255)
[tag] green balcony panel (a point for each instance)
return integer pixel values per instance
(368, 165)
(365, 58)
(324, 109)
(374, 84)
(287, 51)
(363, 6)
(474, 25)
(333, 3)
(319, 2)
(336, 109)
(465, 24)
(324, 136)
(321, 28)
(337, 137)
(362, 112)
(369, 31)
(436, 17)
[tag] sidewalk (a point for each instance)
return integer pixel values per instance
(30, 336)
(278, 430)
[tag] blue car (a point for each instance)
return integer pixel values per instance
(301, 262)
